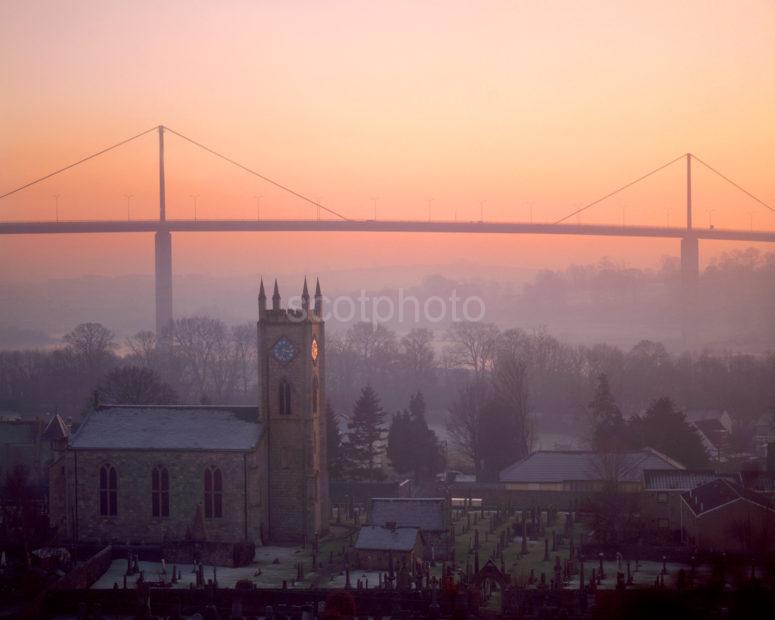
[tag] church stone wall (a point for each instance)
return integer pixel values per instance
(135, 523)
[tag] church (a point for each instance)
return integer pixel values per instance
(164, 474)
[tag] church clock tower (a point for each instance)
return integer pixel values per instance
(291, 369)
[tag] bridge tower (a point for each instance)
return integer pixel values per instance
(163, 247)
(690, 268)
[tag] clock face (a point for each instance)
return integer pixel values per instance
(314, 350)
(284, 350)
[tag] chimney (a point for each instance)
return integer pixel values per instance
(276, 297)
(318, 299)
(261, 299)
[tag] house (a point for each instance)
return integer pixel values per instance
(660, 506)
(714, 437)
(388, 547)
(724, 516)
(713, 428)
(431, 516)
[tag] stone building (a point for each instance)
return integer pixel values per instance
(431, 516)
(385, 548)
(216, 474)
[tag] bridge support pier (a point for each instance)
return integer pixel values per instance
(690, 284)
(163, 243)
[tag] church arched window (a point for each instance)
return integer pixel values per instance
(284, 398)
(315, 394)
(160, 492)
(213, 493)
(108, 491)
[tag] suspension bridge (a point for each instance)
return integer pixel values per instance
(163, 227)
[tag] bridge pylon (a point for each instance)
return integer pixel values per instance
(690, 270)
(163, 246)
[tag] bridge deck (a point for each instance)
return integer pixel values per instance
(407, 226)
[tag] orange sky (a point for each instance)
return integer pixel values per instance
(549, 104)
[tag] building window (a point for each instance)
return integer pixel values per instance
(108, 491)
(315, 394)
(160, 492)
(213, 493)
(662, 498)
(284, 398)
(663, 524)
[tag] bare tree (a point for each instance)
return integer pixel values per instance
(197, 343)
(471, 345)
(246, 354)
(135, 385)
(510, 384)
(418, 356)
(465, 423)
(375, 348)
(142, 348)
(92, 346)
(613, 506)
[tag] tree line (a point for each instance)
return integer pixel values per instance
(484, 389)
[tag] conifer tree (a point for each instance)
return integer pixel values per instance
(610, 432)
(412, 445)
(365, 436)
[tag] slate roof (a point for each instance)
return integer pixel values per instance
(710, 426)
(426, 514)
(582, 465)
(681, 479)
(718, 493)
(56, 428)
(127, 427)
(378, 538)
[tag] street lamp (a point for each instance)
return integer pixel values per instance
(194, 197)
(481, 210)
(128, 201)
(374, 200)
(56, 206)
(430, 202)
(710, 217)
(258, 207)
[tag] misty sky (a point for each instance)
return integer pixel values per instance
(516, 105)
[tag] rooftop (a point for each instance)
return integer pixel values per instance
(378, 538)
(426, 514)
(718, 493)
(140, 427)
(681, 479)
(583, 465)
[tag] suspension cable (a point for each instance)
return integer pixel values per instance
(616, 191)
(73, 165)
(731, 182)
(259, 175)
